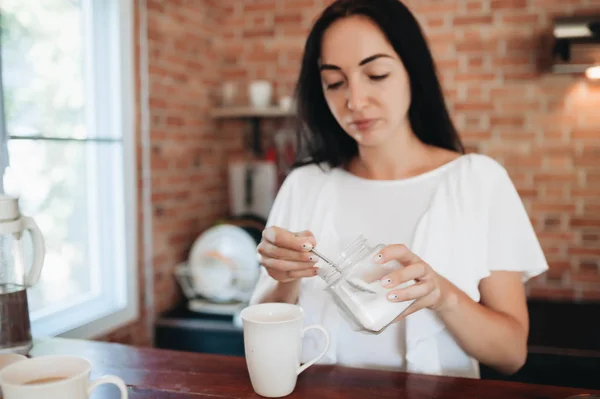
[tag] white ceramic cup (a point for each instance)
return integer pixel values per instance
(7, 359)
(260, 93)
(10, 358)
(71, 375)
(273, 335)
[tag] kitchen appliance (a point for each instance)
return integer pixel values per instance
(16, 275)
(252, 187)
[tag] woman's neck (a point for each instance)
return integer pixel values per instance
(406, 157)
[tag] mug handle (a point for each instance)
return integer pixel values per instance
(109, 379)
(39, 251)
(316, 359)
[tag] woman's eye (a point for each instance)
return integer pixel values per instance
(379, 77)
(335, 85)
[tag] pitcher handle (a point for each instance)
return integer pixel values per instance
(39, 251)
(316, 359)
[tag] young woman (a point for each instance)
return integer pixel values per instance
(383, 160)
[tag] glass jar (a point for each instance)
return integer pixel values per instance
(355, 285)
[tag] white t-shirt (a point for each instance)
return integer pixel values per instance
(338, 206)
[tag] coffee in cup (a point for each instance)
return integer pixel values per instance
(65, 377)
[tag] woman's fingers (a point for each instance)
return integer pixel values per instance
(301, 242)
(411, 292)
(268, 250)
(285, 265)
(285, 276)
(416, 271)
(399, 252)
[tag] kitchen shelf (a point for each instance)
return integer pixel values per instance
(254, 115)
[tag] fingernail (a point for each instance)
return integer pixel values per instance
(377, 258)
(307, 245)
(392, 297)
(315, 271)
(269, 234)
(386, 281)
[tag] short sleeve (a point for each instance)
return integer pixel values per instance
(512, 241)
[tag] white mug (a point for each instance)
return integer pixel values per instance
(10, 358)
(64, 377)
(273, 335)
(260, 92)
(7, 359)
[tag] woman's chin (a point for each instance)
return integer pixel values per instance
(369, 138)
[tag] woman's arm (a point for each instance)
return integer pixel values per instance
(494, 331)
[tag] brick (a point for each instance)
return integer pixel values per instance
(436, 22)
(591, 208)
(507, 121)
(474, 5)
(508, 4)
(520, 76)
(585, 277)
(528, 192)
(552, 221)
(586, 193)
(590, 294)
(591, 238)
(474, 77)
(427, 8)
(472, 20)
(521, 19)
(584, 251)
(472, 106)
(514, 61)
(259, 6)
(555, 177)
(298, 4)
(518, 106)
(258, 33)
(288, 18)
(553, 207)
(588, 221)
(587, 134)
(552, 293)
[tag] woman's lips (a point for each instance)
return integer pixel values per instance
(363, 125)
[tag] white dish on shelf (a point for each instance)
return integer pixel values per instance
(222, 265)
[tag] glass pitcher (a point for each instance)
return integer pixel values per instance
(16, 276)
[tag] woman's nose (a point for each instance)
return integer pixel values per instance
(356, 97)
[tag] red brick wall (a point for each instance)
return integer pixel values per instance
(544, 128)
(187, 169)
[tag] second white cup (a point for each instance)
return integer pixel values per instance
(64, 377)
(273, 335)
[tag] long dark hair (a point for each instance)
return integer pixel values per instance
(320, 138)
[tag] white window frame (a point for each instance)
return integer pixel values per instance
(113, 87)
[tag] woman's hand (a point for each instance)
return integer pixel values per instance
(286, 256)
(430, 290)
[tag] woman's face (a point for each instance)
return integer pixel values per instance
(364, 81)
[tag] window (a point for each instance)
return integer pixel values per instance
(68, 92)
